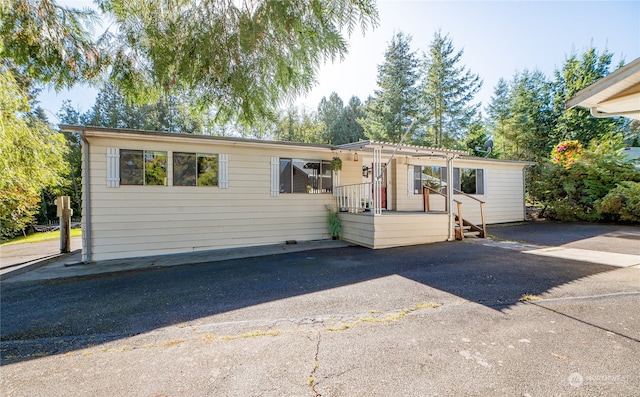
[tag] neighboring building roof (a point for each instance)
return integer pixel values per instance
(617, 94)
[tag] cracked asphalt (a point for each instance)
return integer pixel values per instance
(458, 318)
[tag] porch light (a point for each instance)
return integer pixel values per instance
(365, 171)
(355, 156)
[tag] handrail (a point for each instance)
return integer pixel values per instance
(461, 221)
(482, 203)
(467, 195)
(426, 204)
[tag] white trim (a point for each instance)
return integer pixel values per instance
(223, 171)
(113, 167)
(275, 176)
(411, 182)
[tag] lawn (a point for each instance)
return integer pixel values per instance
(37, 237)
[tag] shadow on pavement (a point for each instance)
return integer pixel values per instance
(560, 233)
(59, 316)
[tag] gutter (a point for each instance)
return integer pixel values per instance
(602, 115)
(86, 202)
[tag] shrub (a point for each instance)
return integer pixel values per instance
(622, 203)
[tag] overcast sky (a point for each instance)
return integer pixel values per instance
(499, 38)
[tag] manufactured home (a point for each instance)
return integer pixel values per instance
(151, 193)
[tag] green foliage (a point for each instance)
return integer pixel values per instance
(112, 109)
(447, 90)
(50, 43)
(393, 107)
(575, 193)
(340, 121)
(334, 224)
(576, 74)
(243, 58)
(622, 203)
(299, 126)
(32, 157)
(521, 116)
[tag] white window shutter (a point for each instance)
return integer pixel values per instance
(410, 181)
(275, 176)
(113, 167)
(481, 178)
(223, 171)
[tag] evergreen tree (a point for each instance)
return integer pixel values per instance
(446, 91)
(352, 112)
(299, 126)
(171, 114)
(339, 120)
(395, 104)
(499, 110)
(531, 118)
(577, 123)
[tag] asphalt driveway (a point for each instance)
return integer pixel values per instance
(459, 318)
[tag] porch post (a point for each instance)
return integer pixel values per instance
(377, 181)
(450, 196)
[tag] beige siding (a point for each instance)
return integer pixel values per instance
(130, 221)
(394, 229)
(504, 191)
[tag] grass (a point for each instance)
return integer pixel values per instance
(39, 237)
(529, 298)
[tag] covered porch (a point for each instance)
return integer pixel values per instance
(376, 211)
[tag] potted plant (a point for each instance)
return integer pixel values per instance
(334, 225)
(336, 164)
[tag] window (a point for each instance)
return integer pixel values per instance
(305, 176)
(195, 169)
(143, 167)
(465, 180)
(430, 176)
(468, 180)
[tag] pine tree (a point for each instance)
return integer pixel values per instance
(576, 74)
(446, 91)
(499, 110)
(395, 104)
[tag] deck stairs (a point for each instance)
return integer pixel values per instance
(469, 230)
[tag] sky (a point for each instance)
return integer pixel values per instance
(498, 40)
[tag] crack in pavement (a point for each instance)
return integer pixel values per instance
(316, 364)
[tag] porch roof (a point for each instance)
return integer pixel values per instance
(403, 150)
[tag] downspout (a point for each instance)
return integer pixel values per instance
(450, 197)
(86, 202)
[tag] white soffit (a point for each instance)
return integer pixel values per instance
(617, 94)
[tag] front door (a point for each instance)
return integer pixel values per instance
(383, 188)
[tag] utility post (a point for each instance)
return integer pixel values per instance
(64, 213)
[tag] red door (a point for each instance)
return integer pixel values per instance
(383, 199)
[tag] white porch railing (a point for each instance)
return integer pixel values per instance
(353, 198)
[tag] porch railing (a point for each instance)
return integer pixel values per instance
(462, 223)
(354, 198)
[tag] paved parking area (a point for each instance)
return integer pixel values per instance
(479, 318)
